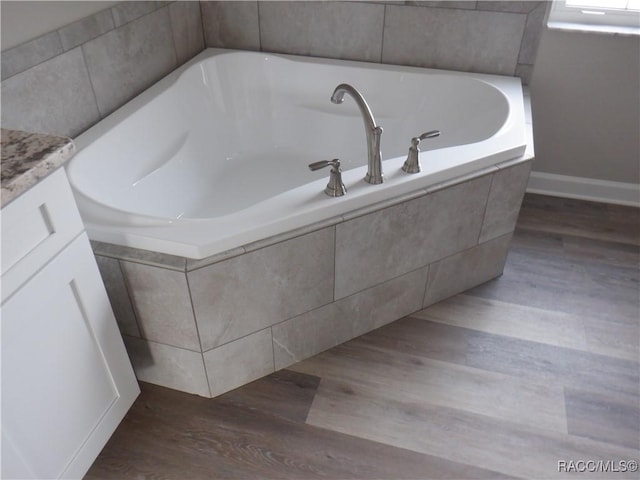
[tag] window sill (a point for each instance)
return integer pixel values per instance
(600, 29)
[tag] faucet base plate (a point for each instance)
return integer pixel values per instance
(373, 179)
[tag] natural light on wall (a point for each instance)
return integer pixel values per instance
(614, 16)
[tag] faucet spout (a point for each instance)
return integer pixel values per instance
(373, 131)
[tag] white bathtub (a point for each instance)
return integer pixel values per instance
(215, 155)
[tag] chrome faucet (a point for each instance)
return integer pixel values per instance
(373, 131)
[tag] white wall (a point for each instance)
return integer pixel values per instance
(585, 94)
(22, 21)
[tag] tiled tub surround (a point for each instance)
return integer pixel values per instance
(475, 36)
(208, 326)
(67, 80)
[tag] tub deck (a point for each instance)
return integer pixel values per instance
(213, 158)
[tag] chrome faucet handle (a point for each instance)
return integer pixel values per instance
(412, 164)
(335, 187)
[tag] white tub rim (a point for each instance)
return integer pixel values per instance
(151, 226)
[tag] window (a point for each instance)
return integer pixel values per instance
(616, 16)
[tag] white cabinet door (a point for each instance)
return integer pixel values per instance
(66, 378)
(35, 227)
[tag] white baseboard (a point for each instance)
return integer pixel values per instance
(605, 191)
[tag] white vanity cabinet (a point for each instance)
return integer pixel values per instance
(66, 378)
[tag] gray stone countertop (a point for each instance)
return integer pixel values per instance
(29, 157)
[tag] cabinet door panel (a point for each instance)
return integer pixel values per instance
(35, 227)
(66, 378)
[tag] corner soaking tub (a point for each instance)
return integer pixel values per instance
(215, 155)
(222, 255)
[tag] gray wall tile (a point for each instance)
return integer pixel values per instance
(328, 326)
(195, 264)
(525, 72)
(118, 295)
(86, 29)
(162, 304)
(467, 4)
(239, 362)
(231, 25)
(244, 294)
(505, 197)
(125, 61)
(465, 270)
(54, 97)
(297, 232)
(30, 54)
(186, 25)
(388, 243)
(515, 6)
(136, 255)
(346, 30)
(167, 366)
(128, 11)
(467, 40)
(533, 30)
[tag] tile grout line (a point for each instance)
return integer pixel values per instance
(522, 37)
(173, 32)
(259, 29)
(39, 62)
(384, 24)
(195, 321)
(93, 89)
(486, 209)
(426, 286)
(127, 289)
(132, 302)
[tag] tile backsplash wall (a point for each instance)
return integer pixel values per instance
(498, 37)
(67, 80)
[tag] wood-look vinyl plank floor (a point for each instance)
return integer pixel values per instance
(454, 434)
(541, 362)
(197, 438)
(554, 282)
(508, 319)
(589, 250)
(603, 417)
(612, 338)
(412, 378)
(596, 221)
(534, 368)
(285, 394)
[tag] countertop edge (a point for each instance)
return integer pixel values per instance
(27, 158)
